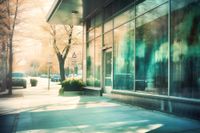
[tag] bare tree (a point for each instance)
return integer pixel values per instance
(12, 11)
(61, 55)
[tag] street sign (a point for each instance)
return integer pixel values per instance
(74, 55)
(74, 58)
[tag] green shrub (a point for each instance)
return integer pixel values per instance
(72, 85)
(97, 82)
(33, 82)
(89, 83)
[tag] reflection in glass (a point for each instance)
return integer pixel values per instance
(91, 34)
(124, 17)
(98, 19)
(147, 5)
(108, 39)
(152, 51)
(90, 64)
(98, 31)
(124, 57)
(153, 15)
(98, 22)
(97, 65)
(108, 26)
(185, 49)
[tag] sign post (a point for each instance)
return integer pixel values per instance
(49, 71)
(74, 62)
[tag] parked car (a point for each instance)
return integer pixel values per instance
(55, 78)
(43, 76)
(19, 79)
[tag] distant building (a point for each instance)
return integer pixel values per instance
(145, 52)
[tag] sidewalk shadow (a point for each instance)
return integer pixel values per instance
(8, 123)
(10, 96)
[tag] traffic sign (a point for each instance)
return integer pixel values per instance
(74, 55)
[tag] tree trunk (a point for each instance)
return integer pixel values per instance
(62, 69)
(10, 68)
(4, 63)
(11, 29)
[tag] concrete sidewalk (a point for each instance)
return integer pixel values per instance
(37, 109)
(99, 115)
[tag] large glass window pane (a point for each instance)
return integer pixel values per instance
(90, 35)
(98, 45)
(147, 5)
(108, 26)
(124, 57)
(108, 39)
(124, 17)
(185, 48)
(152, 15)
(152, 51)
(98, 19)
(98, 31)
(90, 64)
(98, 24)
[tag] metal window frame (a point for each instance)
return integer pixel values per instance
(169, 47)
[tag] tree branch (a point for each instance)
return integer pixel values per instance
(68, 45)
(53, 35)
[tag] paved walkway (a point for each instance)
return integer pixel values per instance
(42, 111)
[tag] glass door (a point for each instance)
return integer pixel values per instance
(108, 71)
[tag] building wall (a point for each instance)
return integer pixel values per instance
(155, 46)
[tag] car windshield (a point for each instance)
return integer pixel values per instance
(18, 75)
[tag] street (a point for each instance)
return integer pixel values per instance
(39, 110)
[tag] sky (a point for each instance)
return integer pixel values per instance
(27, 43)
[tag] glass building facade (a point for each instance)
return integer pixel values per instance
(145, 46)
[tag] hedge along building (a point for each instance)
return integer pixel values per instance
(145, 52)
